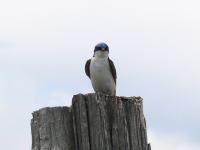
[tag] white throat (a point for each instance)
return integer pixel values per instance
(101, 54)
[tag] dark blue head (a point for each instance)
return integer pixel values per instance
(101, 47)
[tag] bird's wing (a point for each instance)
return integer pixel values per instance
(113, 70)
(87, 67)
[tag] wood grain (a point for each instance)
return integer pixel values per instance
(93, 122)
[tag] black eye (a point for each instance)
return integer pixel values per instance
(98, 48)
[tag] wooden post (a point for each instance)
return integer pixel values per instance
(93, 122)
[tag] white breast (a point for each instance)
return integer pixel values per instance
(101, 76)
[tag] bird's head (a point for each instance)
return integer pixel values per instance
(101, 50)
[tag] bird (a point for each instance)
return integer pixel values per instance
(101, 71)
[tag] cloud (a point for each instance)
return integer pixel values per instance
(60, 98)
(18, 100)
(170, 141)
(19, 97)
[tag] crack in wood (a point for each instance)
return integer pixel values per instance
(93, 122)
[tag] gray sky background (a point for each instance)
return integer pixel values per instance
(155, 46)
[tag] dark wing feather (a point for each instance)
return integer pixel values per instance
(87, 67)
(113, 70)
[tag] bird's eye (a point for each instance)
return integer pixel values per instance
(98, 48)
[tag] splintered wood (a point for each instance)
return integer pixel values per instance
(93, 122)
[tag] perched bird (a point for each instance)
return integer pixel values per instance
(101, 70)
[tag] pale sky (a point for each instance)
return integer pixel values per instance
(155, 46)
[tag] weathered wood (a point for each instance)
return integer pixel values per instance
(93, 122)
(52, 129)
(80, 123)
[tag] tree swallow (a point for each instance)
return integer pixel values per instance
(101, 70)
